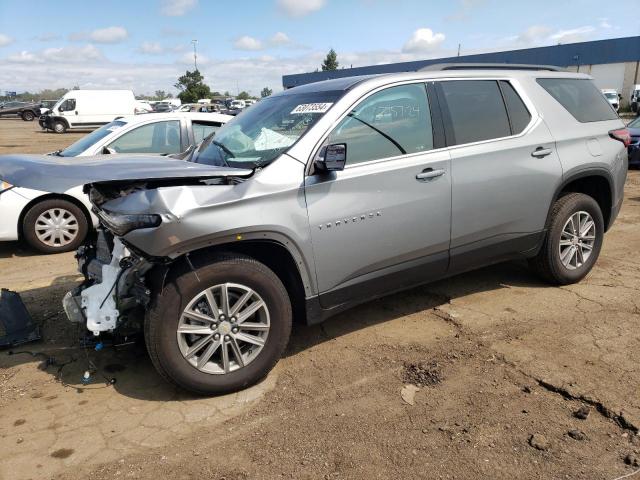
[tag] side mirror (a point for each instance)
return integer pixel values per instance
(108, 151)
(332, 158)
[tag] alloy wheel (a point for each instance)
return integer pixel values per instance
(223, 328)
(577, 240)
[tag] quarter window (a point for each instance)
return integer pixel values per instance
(476, 111)
(580, 98)
(393, 122)
(158, 137)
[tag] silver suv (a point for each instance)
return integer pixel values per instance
(333, 193)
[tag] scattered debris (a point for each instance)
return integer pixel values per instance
(582, 413)
(577, 434)
(539, 442)
(632, 460)
(422, 374)
(526, 389)
(16, 325)
(408, 394)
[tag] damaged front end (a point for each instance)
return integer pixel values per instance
(114, 289)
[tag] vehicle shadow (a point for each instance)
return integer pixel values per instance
(135, 376)
(16, 249)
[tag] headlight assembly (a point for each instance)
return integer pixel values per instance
(121, 224)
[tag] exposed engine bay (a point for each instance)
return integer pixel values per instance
(114, 284)
(115, 290)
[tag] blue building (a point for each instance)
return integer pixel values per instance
(613, 63)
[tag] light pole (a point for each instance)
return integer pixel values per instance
(195, 55)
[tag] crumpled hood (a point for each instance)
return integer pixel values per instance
(59, 174)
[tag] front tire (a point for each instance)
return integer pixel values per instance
(59, 126)
(55, 226)
(220, 328)
(28, 116)
(573, 241)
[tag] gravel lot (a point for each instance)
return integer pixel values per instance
(515, 379)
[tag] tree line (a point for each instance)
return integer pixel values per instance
(190, 85)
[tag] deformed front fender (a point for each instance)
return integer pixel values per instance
(270, 206)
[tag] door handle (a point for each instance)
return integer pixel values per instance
(429, 173)
(541, 152)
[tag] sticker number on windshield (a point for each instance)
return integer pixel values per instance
(312, 108)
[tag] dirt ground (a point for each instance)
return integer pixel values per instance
(513, 379)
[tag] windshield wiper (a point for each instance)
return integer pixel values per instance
(398, 146)
(226, 150)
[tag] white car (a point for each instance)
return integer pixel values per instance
(54, 223)
(143, 106)
(612, 97)
(237, 104)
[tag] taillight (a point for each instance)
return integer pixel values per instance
(622, 135)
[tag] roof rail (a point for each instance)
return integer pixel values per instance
(489, 66)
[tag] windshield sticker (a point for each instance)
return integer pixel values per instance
(312, 108)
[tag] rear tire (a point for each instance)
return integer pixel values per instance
(246, 363)
(59, 126)
(567, 257)
(28, 116)
(41, 219)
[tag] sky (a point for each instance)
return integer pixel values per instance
(145, 45)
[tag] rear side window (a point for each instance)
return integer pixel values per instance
(580, 98)
(201, 130)
(519, 116)
(476, 111)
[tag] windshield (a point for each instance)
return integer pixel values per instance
(81, 145)
(635, 123)
(260, 134)
(611, 96)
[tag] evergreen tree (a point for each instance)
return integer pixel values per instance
(331, 61)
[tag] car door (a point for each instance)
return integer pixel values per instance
(68, 110)
(504, 167)
(383, 222)
(163, 137)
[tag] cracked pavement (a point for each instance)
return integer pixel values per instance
(522, 380)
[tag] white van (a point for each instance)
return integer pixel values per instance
(86, 109)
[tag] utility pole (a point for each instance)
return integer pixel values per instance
(195, 55)
(459, 49)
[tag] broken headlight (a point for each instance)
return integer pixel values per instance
(121, 224)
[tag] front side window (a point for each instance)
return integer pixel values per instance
(580, 97)
(158, 137)
(476, 110)
(68, 105)
(395, 121)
